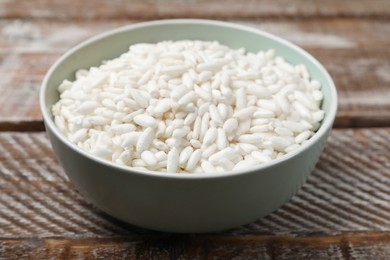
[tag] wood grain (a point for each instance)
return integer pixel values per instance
(348, 191)
(138, 9)
(342, 211)
(361, 245)
(354, 51)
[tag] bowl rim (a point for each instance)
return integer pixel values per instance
(326, 124)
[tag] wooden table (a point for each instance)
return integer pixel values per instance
(342, 212)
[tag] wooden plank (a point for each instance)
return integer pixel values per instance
(348, 191)
(361, 245)
(354, 52)
(215, 9)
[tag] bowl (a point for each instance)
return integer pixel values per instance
(184, 203)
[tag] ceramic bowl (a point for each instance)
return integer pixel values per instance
(184, 203)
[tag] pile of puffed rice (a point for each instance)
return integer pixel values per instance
(190, 106)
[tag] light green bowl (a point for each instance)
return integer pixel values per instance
(184, 202)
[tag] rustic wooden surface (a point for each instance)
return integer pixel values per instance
(342, 212)
(139, 9)
(352, 50)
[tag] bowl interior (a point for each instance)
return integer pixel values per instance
(112, 44)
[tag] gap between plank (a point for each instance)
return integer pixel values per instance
(354, 236)
(229, 17)
(22, 126)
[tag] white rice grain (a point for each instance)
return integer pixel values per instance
(190, 106)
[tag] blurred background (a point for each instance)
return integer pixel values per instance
(342, 212)
(351, 38)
